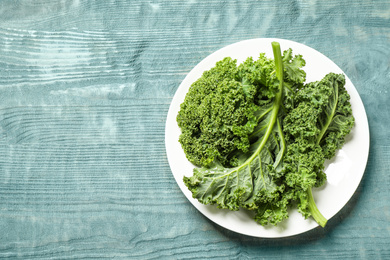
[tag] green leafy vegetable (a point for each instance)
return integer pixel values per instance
(315, 128)
(260, 136)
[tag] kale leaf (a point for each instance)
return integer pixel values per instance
(314, 130)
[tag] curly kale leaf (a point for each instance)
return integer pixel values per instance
(273, 213)
(315, 129)
(294, 75)
(339, 120)
(217, 115)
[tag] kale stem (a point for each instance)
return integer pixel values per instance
(277, 102)
(278, 62)
(321, 220)
(278, 98)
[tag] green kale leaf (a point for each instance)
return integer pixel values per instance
(314, 130)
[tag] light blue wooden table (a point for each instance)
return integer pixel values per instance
(85, 88)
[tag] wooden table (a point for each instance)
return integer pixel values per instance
(85, 88)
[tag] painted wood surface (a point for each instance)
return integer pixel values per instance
(85, 87)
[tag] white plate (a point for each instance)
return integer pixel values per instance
(344, 172)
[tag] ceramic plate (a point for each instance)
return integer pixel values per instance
(344, 172)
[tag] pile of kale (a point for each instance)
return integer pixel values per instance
(260, 135)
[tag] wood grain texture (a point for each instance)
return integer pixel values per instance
(85, 87)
